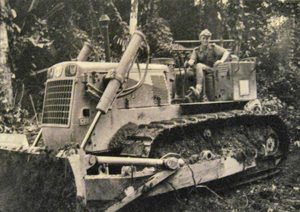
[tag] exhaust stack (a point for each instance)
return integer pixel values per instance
(104, 20)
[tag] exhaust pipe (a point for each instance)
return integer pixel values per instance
(104, 20)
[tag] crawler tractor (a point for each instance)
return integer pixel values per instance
(130, 130)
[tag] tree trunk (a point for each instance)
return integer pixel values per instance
(213, 24)
(294, 46)
(6, 92)
(133, 16)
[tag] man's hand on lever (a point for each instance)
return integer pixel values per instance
(218, 62)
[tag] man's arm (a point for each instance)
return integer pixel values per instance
(193, 58)
(221, 51)
(225, 56)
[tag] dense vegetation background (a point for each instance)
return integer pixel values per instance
(43, 32)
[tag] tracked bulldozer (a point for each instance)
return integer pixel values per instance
(128, 131)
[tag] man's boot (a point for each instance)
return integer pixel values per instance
(196, 91)
(204, 98)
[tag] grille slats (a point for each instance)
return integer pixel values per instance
(57, 103)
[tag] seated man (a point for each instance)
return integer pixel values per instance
(205, 57)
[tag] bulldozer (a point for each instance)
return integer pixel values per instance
(128, 131)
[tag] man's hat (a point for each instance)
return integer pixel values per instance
(205, 32)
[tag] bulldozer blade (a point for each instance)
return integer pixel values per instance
(152, 182)
(98, 187)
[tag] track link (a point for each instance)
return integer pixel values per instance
(238, 133)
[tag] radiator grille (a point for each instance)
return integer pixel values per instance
(57, 103)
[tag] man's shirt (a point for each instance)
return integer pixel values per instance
(209, 55)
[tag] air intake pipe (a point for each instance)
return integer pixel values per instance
(84, 52)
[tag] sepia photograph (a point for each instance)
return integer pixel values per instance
(149, 105)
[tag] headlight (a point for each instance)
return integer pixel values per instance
(57, 71)
(71, 70)
(50, 73)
